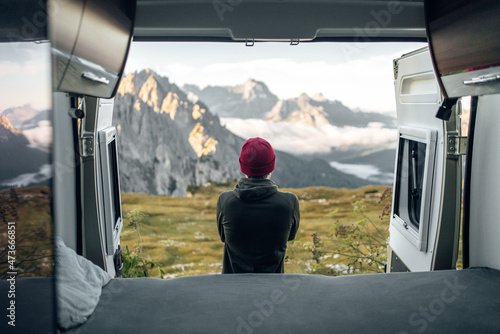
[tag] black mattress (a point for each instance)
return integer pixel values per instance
(34, 306)
(455, 301)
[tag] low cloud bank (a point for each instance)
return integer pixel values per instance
(301, 138)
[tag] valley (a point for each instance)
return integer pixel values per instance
(181, 234)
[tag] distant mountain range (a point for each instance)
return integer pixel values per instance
(34, 124)
(21, 162)
(312, 126)
(169, 140)
(318, 111)
(18, 116)
(253, 99)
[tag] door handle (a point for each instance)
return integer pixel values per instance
(482, 79)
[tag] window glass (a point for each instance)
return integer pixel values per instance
(26, 230)
(409, 185)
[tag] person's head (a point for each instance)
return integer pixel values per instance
(257, 158)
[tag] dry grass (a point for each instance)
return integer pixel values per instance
(181, 232)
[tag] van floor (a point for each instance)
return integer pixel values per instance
(452, 301)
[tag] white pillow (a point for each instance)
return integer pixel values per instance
(78, 286)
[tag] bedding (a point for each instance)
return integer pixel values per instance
(452, 301)
(78, 286)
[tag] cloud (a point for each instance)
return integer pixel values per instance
(363, 79)
(301, 138)
(176, 69)
(365, 84)
(40, 136)
(8, 68)
(27, 83)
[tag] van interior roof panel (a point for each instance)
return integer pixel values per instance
(22, 21)
(318, 20)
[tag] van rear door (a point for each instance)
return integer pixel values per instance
(424, 225)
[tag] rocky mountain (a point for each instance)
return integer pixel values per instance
(18, 115)
(35, 124)
(252, 99)
(167, 142)
(318, 111)
(20, 162)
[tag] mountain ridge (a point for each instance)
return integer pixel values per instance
(168, 142)
(247, 100)
(18, 155)
(239, 101)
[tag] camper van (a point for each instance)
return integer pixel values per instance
(64, 229)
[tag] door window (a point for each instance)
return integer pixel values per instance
(414, 172)
(410, 179)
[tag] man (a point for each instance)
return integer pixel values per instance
(255, 220)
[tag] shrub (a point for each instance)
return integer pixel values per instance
(360, 246)
(135, 264)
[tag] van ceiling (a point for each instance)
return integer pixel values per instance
(280, 20)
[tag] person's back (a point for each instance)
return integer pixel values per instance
(255, 220)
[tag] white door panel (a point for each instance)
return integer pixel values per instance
(484, 230)
(420, 164)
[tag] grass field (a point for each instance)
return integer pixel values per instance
(26, 226)
(181, 232)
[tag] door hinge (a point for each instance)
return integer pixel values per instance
(87, 146)
(456, 145)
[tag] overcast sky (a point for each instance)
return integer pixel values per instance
(25, 75)
(360, 75)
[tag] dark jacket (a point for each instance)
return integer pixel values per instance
(255, 221)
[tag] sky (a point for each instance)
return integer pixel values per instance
(360, 75)
(25, 75)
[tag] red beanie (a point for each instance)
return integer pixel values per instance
(257, 157)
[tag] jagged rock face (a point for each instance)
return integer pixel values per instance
(167, 142)
(298, 110)
(8, 132)
(252, 99)
(18, 156)
(318, 111)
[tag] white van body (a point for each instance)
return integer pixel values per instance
(422, 291)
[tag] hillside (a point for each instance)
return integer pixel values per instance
(181, 233)
(167, 142)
